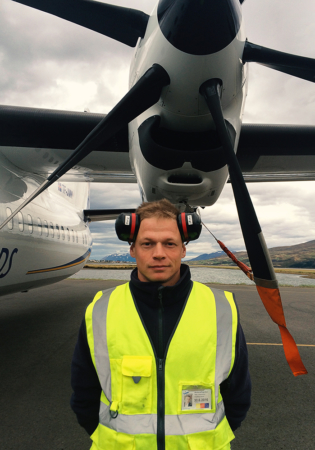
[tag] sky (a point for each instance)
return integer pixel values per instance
(46, 62)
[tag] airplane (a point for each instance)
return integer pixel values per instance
(176, 132)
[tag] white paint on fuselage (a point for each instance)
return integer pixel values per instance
(48, 233)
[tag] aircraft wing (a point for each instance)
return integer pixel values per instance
(277, 152)
(97, 215)
(37, 140)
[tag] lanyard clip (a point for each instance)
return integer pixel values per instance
(113, 410)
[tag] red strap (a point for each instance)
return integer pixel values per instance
(184, 226)
(272, 302)
(247, 270)
(133, 226)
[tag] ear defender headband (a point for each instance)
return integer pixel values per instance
(127, 226)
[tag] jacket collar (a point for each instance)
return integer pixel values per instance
(148, 291)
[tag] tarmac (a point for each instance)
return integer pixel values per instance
(38, 332)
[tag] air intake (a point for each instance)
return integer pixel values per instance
(184, 179)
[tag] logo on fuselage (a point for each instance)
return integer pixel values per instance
(65, 190)
(6, 262)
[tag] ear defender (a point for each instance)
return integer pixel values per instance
(189, 225)
(127, 226)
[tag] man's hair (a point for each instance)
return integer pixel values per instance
(161, 209)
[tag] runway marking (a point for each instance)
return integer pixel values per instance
(260, 343)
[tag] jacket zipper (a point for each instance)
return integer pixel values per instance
(161, 379)
(160, 365)
(160, 435)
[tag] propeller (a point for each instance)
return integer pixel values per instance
(298, 66)
(125, 25)
(264, 274)
(144, 94)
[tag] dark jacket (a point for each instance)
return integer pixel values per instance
(152, 299)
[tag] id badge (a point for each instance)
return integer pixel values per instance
(196, 398)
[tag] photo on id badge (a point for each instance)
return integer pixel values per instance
(196, 398)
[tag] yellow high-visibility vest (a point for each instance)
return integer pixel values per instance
(172, 403)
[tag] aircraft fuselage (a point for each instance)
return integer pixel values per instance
(48, 240)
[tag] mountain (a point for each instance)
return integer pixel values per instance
(119, 256)
(206, 256)
(295, 256)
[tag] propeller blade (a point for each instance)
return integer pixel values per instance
(264, 275)
(144, 94)
(125, 25)
(298, 66)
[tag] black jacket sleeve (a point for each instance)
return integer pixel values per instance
(236, 389)
(85, 400)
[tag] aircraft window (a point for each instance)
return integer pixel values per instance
(10, 224)
(21, 221)
(57, 231)
(30, 223)
(62, 232)
(72, 234)
(68, 234)
(51, 229)
(39, 226)
(46, 227)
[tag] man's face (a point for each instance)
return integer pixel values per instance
(158, 251)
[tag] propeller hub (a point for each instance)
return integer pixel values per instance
(199, 27)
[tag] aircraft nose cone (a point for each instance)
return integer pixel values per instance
(199, 27)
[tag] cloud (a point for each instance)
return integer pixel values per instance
(274, 97)
(111, 196)
(49, 62)
(285, 211)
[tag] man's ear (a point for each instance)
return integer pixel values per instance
(184, 251)
(132, 250)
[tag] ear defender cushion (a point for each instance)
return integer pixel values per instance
(189, 225)
(127, 226)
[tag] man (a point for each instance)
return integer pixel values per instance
(146, 347)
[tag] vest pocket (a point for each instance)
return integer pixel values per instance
(136, 385)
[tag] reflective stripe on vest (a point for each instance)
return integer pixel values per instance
(120, 347)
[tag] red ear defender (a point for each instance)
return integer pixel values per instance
(127, 226)
(133, 227)
(189, 225)
(183, 224)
